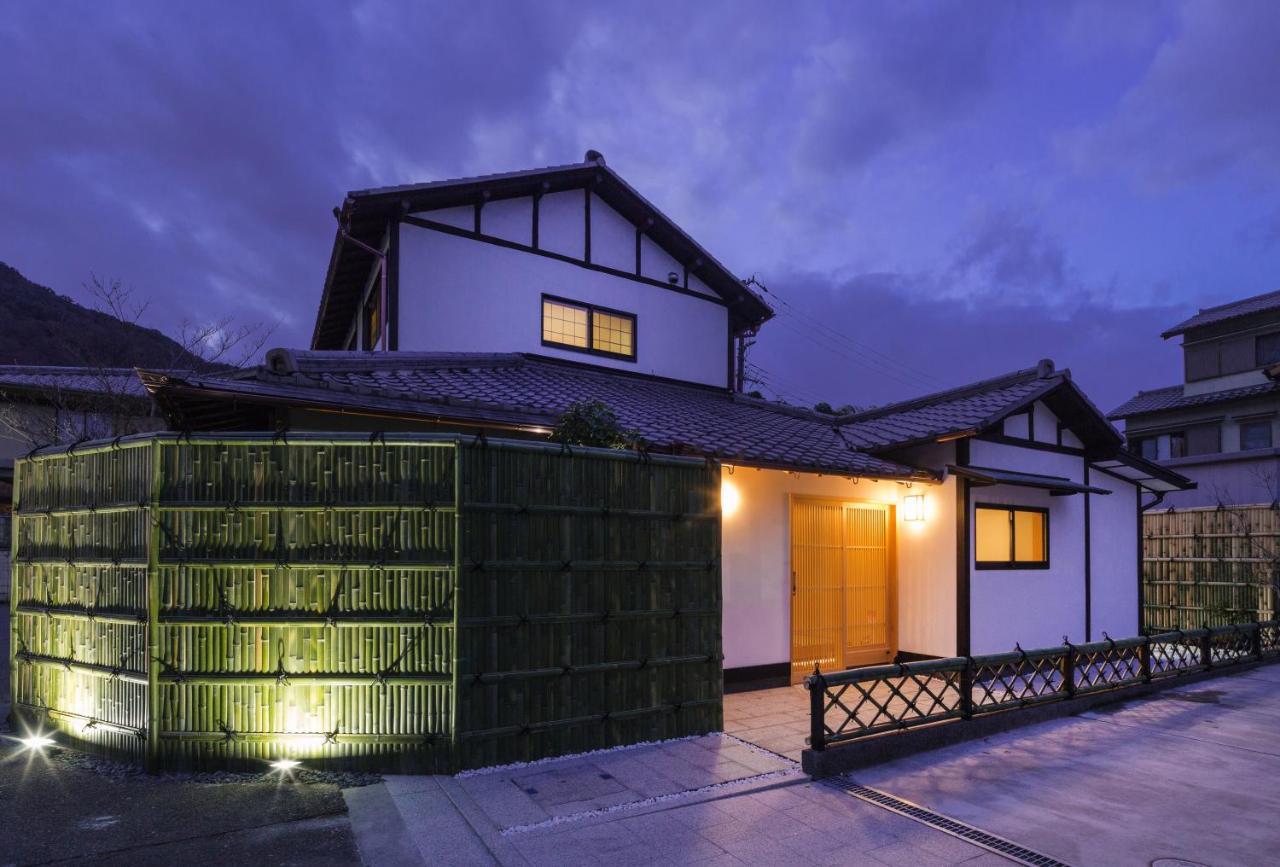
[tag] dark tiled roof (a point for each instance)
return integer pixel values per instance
(365, 214)
(78, 380)
(1171, 397)
(955, 411)
(530, 390)
(1210, 315)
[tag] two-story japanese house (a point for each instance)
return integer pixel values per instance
(961, 522)
(1219, 426)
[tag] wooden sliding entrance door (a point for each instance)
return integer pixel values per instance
(842, 585)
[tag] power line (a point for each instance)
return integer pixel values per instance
(864, 354)
(877, 368)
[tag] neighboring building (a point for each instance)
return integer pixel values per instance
(46, 404)
(964, 522)
(1219, 427)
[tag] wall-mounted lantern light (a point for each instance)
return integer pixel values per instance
(913, 507)
(729, 498)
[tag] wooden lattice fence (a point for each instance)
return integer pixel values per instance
(1210, 566)
(401, 603)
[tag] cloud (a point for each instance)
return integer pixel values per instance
(1205, 105)
(906, 148)
(896, 347)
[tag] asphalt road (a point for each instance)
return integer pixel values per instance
(54, 811)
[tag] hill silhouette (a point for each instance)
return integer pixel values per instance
(39, 326)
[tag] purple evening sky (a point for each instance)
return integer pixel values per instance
(958, 189)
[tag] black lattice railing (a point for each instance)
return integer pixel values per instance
(860, 702)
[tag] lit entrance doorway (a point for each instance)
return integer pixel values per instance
(843, 589)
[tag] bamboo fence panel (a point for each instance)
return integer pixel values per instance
(1210, 567)
(418, 603)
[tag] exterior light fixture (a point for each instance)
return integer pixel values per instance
(730, 498)
(36, 742)
(284, 766)
(913, 507)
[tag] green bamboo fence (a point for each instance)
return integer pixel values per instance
(407, 603)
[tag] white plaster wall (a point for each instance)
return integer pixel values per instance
(562, 223)
(1113, 532)
(509, 219)
(463, 295)
(1032, 607)
(656, 263)
(1046, 424)
(613, 238)
(757, 563)
(1016, 426)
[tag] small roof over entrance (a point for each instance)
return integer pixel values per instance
(1056, 485)
(1144, 473)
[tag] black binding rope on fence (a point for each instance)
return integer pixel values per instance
(167, 669)
(229, 735)
(282, 674)
(331, 612)
(383, 675)
(332, 737)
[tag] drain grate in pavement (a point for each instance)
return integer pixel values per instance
(968, 833)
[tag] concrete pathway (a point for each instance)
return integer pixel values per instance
(1187, 775)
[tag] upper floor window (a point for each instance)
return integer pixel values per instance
(1011, 537)
(1255, 434)
(1266, 349)
(588, 328)
(1147, 447)
(1204, 439)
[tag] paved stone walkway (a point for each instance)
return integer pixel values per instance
(708, 800)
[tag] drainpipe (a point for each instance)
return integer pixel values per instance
(1157, 501)
(382, 276)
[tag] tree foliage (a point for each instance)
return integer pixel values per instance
(593, 423)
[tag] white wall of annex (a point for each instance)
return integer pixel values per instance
(1046, 423)
(1031, 607)
(1113, 532)
(756, 555)
(463, 295)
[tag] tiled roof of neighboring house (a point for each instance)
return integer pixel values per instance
(1211, 315)
(365, 213)
(1171, 397)
(533, 391)
(47, 379)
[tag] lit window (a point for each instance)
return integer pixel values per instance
(1011, 537)
(612, 334)
(585, 327)
(564, 324)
